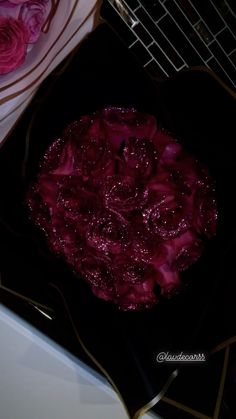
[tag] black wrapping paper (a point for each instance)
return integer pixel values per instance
(124, 346)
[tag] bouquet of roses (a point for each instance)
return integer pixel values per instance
(21, 22)
(124, 205)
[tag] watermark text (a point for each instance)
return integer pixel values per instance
(180, 357)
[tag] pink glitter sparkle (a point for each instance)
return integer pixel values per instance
(124, 205)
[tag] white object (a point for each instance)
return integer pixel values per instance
(73, 20)
(40, 380)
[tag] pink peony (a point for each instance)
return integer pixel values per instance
(13, 44)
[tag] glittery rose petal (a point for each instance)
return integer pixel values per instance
(121, 123)
(205, 217)
(98, 273)
(123, 194)
(138, 297)
(168, 280)
(139, 158)
(145, 247)
(108, 233)
(38, 209)
(77, 203)
(183, 251)
(167, 218)
(130, 271)
(82, 151)
(66, 241)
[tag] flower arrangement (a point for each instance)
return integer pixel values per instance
(21, 23)
(124, 205)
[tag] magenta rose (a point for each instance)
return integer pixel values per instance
(137, 297)
(33, 14)
(120, 124)
(82, 151)
(183, 251)
(168, 217)
(139, 158)
(108, 233)
(94, 157)
(13, 44)
(130, 271)
(145, 247)
(77, 204)
(123, 194)
(97, 271)
(65, 240)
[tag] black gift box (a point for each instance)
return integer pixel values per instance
(124, 346)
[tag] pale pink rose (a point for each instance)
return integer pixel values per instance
(33, 14)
